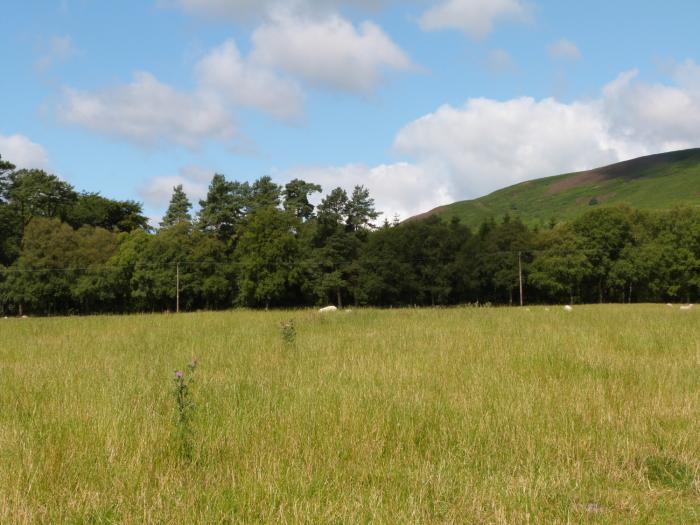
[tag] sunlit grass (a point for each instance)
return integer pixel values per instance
(398, 416)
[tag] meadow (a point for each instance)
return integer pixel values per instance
(456, 415)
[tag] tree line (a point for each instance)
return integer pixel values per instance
(263, 245)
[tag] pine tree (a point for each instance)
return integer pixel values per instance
(178, 210)
(223, 209)
(360, 210)
(296, 198)
(264, 194)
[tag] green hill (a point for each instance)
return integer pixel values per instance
(655, 182)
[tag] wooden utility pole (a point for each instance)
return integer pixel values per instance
(177, 288)
(520, 277)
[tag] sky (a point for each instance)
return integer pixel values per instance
(424, 102)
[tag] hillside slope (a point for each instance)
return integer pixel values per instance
(655, 182)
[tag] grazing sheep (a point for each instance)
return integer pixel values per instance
(669, 305)
(687, 307)
(569, 308)
(328, 309)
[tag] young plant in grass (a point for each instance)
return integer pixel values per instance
(185, 407)
(288, 331)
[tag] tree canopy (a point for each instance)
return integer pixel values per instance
(262, 245)
(178, 210)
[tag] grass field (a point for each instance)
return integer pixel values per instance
(396, 416)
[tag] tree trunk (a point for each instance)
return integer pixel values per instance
(340, 298)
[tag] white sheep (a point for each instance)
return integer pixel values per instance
(569, 308)
(669, 305)
(328, 309)
(687, 307)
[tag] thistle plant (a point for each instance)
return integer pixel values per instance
(185, 409)
(288, 331)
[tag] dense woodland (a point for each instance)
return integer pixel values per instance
(261, 245)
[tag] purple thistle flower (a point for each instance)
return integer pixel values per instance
(179, 374)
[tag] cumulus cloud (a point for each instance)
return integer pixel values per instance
(657, 116)
(564, 50)
(246, 9)
(476, 18)
(195, 180)
(149, 112)
(401, 189)
(23, 153)
(329, 51)
(484, 145)
(223, 71)
(487, 144)
(59, 49)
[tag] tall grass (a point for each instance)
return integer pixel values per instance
(401, 416)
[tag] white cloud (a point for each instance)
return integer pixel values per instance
(466, 152)
(223, 71)
(657, 116)
(23, 153)
(194, 179)
(59, 49)
(149, 113)
(477, 18)
(328, 51)
(488, 144)
(564, 50)
(246, 9)
(404, 189)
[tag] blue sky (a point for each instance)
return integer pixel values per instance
(423, 101)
